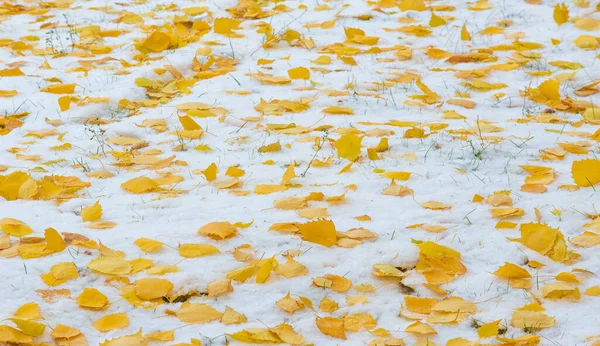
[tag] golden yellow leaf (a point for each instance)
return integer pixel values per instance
(420, 329)
(28, 311)
(91, 298)
(436, 20)
(512, 271)
(196, 250)
(231, 316)
(60, 88)
(219, 288)
(218, 230)
(148, 245)
(140, 185)
(167, 335)
(197, 313)
(111, 322)
(151, 288)
(464, 33)
(331, 326)
(348, 146)
(561, 14)
(299, 73)
(338, 110)
(321, 232)
(28, 327)
(586, 172)
(92, 212)
(110, 265)
(15, 227)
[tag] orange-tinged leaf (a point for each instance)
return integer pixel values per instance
(331, 326)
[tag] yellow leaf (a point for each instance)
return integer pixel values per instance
(226, 26)
(534, 320)
(270, 148)
(288, 175)
(218, 230)
(288, 304)
(54, 242)
(544, 239)
(197, 250)
(489, 329)
(512, 271)
(348, 146)
(291, 268)
(338, 110)
(91, 298)
(197, 313)
(287, 334)
(92, 212)
(387, 270)
(231, 316)
(593, 291)
(31, 328)
(586, 172)
(464, 33)
(140, 185)
(210, 173)
(321, 232)
(331, 326)
(265, 189)
(151, 288)
(219, 288)
(290, 203)
(148, 245)
(412, 5)
(110, 266)
(11, 335)
(8, 93)
(167, 335)
(561, 14)
(549, 89)
(60, 88)
(299, 73)
(189, 124)
(420, 329)
(436, 205)
(157, 42)
(11, 72)
(436, 20)
(15, 227)
(111, 322)
(64, 102)
(28, 311)
(560, 290)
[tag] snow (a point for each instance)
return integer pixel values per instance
(445, 169)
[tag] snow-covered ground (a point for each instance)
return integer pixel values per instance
(171, 170)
